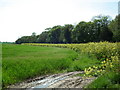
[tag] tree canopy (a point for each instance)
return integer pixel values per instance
(100, 28)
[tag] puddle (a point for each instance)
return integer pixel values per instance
(49, 82)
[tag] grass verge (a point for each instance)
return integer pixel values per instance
(108, 80)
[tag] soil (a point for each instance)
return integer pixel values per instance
(62, 80)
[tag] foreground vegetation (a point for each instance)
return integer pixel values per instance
(21, 62)
(107, 53)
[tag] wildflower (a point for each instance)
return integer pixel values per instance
(111, 65)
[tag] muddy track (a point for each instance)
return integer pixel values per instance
(62, 80)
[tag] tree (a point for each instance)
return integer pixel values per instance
(54, 34)
(81, 32)
(92, 31)
(67, 29)
(42, 38)
(106, 34)
(114, 26)
(27, 39)
(101, 26)
(33, 34)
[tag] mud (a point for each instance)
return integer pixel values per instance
(62, 80)
(72, 82)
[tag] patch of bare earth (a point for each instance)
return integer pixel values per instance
(62, 80)
(72, 82)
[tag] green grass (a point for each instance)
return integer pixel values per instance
(83, 61)
(108, 80)
(21, 62)
(105, 69)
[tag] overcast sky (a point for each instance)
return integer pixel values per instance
(22, 17)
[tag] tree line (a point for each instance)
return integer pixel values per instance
(100, 28)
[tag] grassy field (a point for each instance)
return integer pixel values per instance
(107, 70)
(21, 62)
(101, 60)
(108, 80)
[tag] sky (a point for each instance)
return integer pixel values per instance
(23, 17)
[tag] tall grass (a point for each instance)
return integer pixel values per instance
(83, 61)
(21, 62)
(108, 80)
(107, 54)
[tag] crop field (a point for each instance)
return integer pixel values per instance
(28, 60)
(21, 62)
(108, 68)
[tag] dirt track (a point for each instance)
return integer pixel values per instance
(63, 80)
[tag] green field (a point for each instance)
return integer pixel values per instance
(21, 62)
(107, 70)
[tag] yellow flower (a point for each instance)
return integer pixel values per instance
(113, 48)
(111, 65)
(107, 59)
